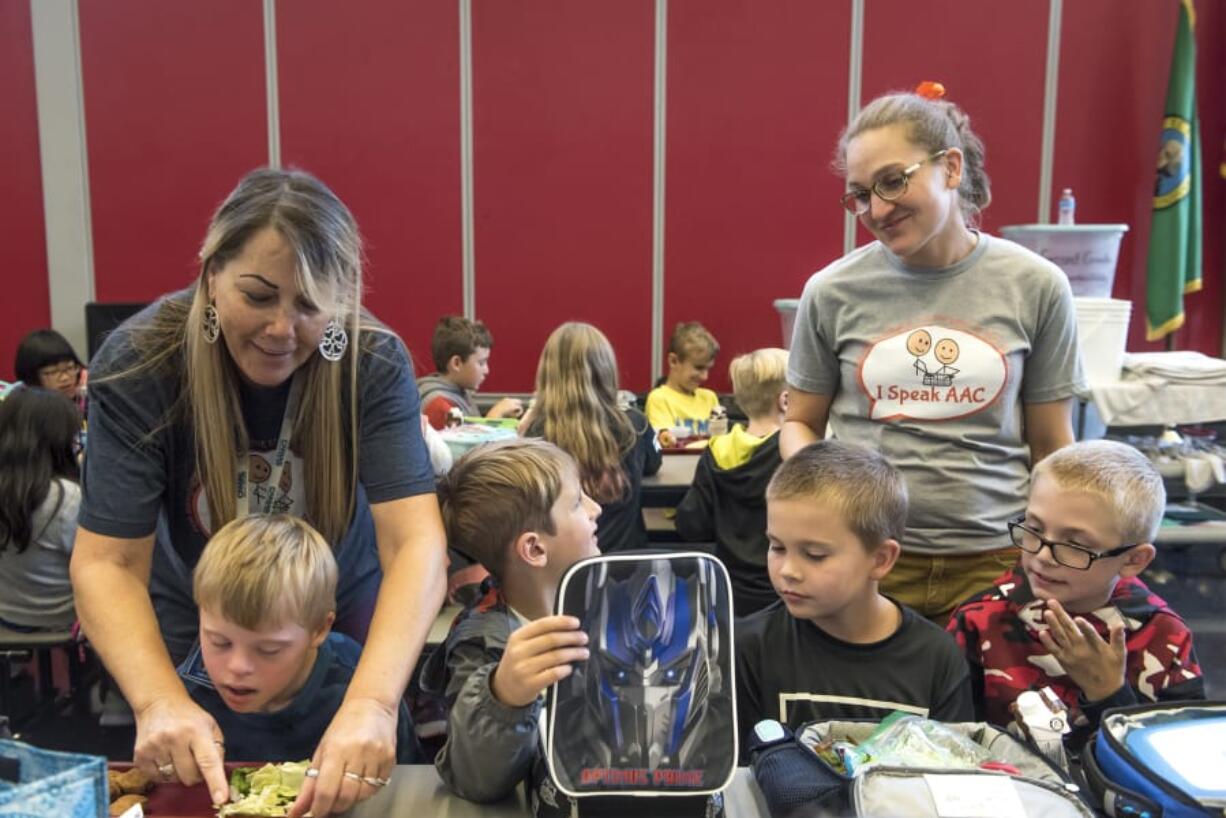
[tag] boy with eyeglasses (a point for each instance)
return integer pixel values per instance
(1074, 614)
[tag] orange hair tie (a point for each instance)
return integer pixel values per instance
(930, 90)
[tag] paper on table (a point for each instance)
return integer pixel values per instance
(975, 796)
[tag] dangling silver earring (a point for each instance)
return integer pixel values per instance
(332, 346)
(210, 327)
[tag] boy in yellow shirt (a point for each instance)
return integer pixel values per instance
(681, 401)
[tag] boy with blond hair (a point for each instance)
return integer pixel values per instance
(681, 401)
(267, 667)
(833, 647)
(727, 502)
(517, 507)
(1074, 614)
(461, 351)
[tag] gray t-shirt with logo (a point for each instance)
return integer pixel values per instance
(932, 367)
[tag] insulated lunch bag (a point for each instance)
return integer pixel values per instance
(652, 710)
(1167, 760)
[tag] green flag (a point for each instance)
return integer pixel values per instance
(1174, 265)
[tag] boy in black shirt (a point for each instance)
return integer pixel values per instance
(833, 647)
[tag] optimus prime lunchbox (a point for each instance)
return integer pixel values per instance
(652, 710)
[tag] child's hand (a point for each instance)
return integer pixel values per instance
(537, 655)
(667, 440)
(1095, 666)
(506, 408)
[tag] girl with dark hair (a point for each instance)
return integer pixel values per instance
(45, 358)
(39, 498)
(949, 350)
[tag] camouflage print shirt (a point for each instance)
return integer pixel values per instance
(998, 630)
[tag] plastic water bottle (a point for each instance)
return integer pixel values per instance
(1067, 208)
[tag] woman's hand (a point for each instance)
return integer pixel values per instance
(175, 739)
(353, 761)
(1094, 665)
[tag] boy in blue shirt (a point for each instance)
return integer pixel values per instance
(267, 667)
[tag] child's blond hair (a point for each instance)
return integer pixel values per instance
(758, 378)
(692, 341)
(856, 482)
(1120, 476)
(267, 570)
(498, 491)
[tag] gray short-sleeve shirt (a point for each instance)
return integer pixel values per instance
(932, 367)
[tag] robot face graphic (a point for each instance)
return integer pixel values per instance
(653, 662)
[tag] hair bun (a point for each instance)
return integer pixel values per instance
(929, 89)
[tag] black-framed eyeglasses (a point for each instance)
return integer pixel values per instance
(69, 368)
(1067, 554)
(888, 188)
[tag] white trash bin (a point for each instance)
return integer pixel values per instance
(1087, 253)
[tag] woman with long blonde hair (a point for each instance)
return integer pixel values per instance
(263, 387)
(576, 409)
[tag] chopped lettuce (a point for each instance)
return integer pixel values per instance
(266, 791)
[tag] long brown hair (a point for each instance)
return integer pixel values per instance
(576, 398)
(324, 237)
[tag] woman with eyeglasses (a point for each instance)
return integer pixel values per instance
(46, 359)
(264, 387)
(952, 351)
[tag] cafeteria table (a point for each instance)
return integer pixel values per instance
(665, 488)
(416, 790)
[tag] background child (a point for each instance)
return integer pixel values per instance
(576, 408)
(461, 351)
(267, 668)
(833, 647)
(727, 502)
(45, 358)
(39, 498)
(1074, 614)
(518, 508)
(681, 400)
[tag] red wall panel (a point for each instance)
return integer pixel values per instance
(379, 121)
(175, 115)
(756, 96)
(23, 244)
(991, 57)
(1113, 75)
(562, 136)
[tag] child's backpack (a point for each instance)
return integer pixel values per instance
(1016, 782)
(1165, 760)
(652, 710)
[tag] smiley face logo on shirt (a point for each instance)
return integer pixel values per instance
(260, 468)
(909, 375)
(918, 343)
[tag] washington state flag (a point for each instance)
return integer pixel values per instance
(1173, 268)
